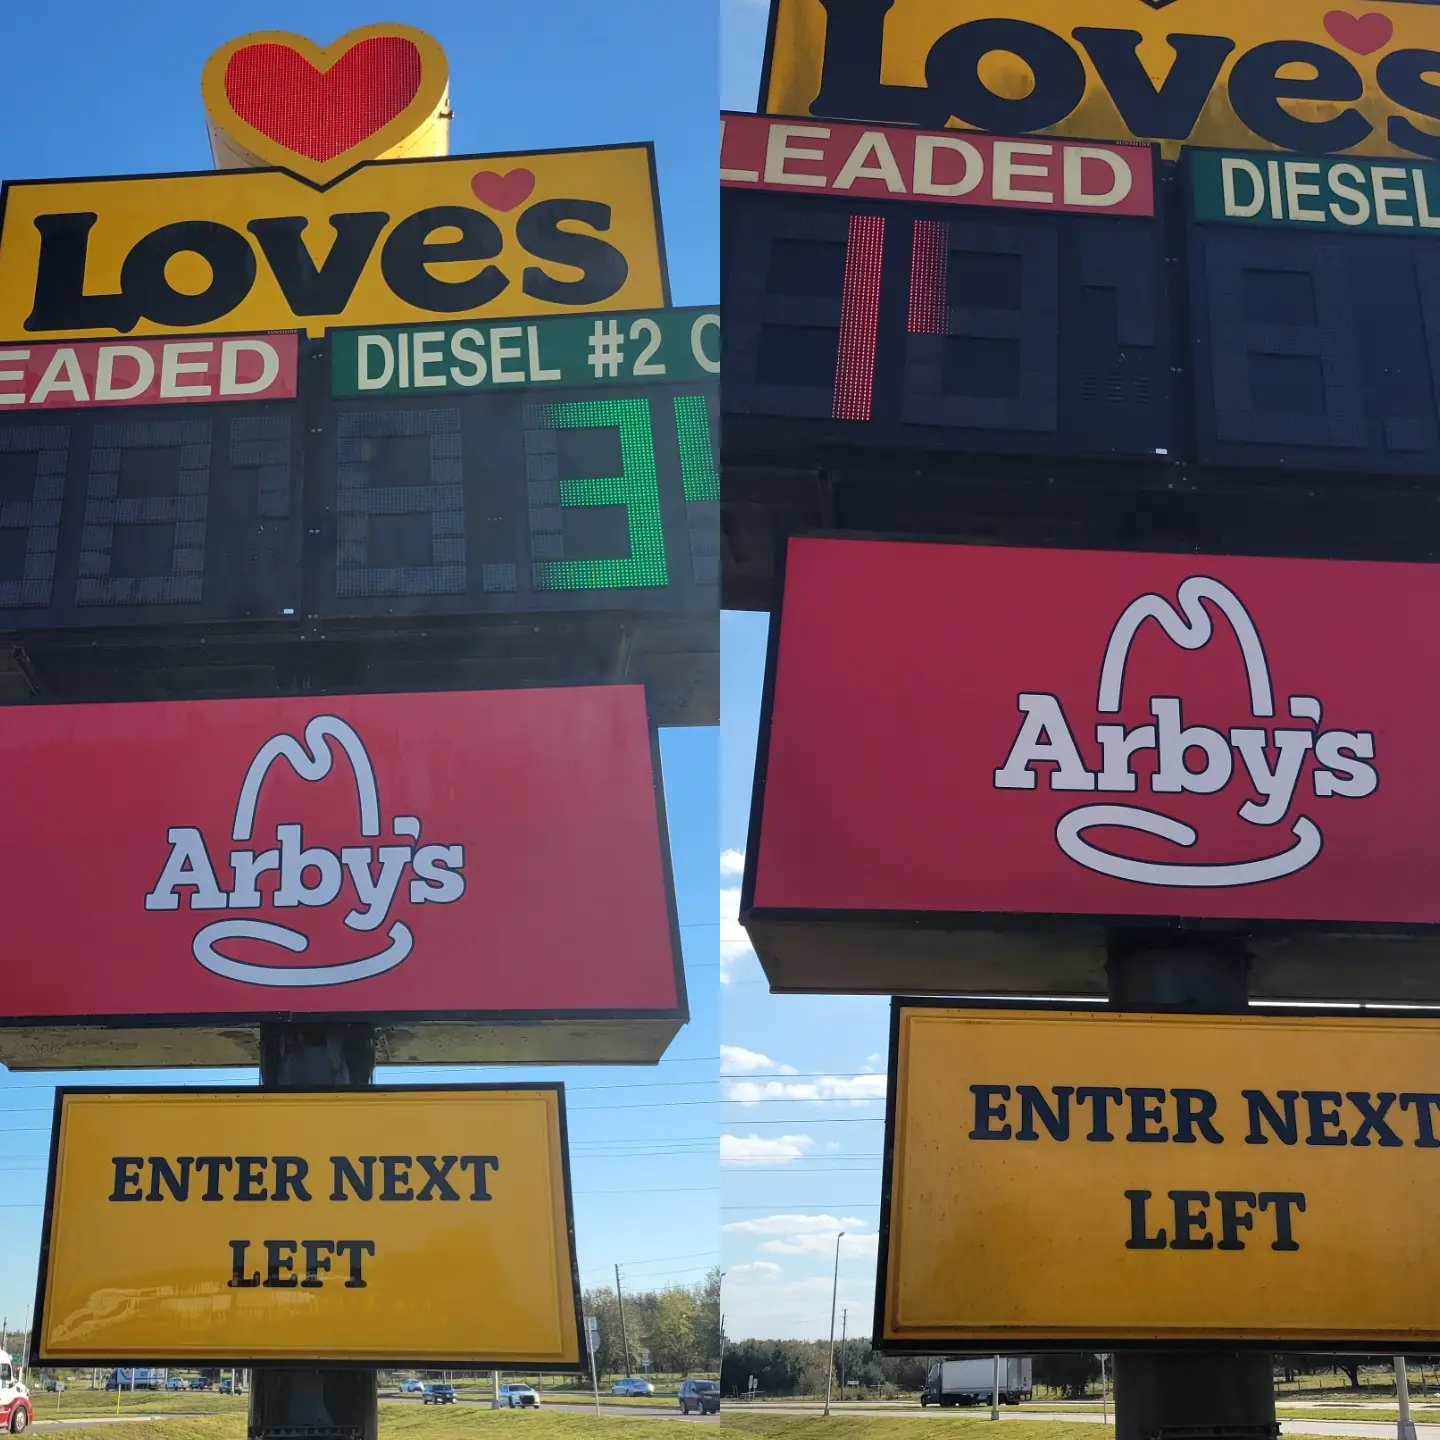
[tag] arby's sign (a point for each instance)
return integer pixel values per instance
(1016, 732)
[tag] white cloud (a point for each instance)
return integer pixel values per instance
(794, 1225)
(875, 1060)
(858, 1089)
(732, 862)
(734, 942)
(755, 1267)
(736, 1060)
(756, 1149)
(823, 1245)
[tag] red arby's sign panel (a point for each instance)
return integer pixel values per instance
(434, 856)
(947, 167)
(1015, 734)
(148, 372)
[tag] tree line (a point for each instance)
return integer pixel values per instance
(798, 1367)
(679, 1326)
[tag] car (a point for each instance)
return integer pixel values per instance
(518, 1397)
(411, 1387)
(701, 1396)
(177, 1382)
(632, 1385)
(438, 1395)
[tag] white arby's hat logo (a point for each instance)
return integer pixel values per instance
(375, 872)
(1271, 758)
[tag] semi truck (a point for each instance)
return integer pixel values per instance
(15, 1410)
(971, 1381)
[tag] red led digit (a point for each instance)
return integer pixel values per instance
(928, 302)
(859, 318)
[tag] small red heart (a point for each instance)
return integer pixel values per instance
(323, 113)
(503, 192)
(1364, 34)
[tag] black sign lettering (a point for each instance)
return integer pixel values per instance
(989, 1109)
(1140, 1238)
(1262, 1108)
(480, 1164)
(357, 1250)
(435, 1180)
(127, 1177)
(326, 289)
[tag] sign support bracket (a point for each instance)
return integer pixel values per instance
(1186, 1394)
(302, 1402)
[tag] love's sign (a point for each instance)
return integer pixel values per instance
(393, 242)
(1315, 79)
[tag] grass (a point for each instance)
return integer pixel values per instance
(88, 1404)
(894, 1427)
(422, 1422)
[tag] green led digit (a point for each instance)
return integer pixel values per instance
(697, 453)
(637, 489)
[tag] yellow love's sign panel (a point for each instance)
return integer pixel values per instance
(391, 243)
(1081, 1179)
(1289, 75)
(377, 1226)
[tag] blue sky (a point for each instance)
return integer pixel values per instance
(803, 1079)
(90, 89)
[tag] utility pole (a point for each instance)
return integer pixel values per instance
(624, 1334)
(844, 1321)
(310, 1399)
(834, 1296)
(1199, 1392)
(1406, 1428)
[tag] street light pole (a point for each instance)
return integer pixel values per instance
(834, 1296)
(844, 1330)
(995, 1392)
(1406, 1428)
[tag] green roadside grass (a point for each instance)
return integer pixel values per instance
(851, 1426)
(399, 1421)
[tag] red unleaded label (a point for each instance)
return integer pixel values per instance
(148, 372)
(948, 167)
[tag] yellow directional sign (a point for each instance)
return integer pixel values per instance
(375, 1226)
(1072, 1176)
(394, 242)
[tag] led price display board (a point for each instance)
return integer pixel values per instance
(578, 476)
(1079, 1180)
(1012, 302)
(1315, 301)
(232, 1226)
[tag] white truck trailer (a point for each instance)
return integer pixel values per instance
(971, 1382)
(15, 1410)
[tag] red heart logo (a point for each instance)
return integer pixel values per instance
(1363, 34)
(323, 113)
(503, 192)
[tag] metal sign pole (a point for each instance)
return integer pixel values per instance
(995, 1391)
(1197, 1393)
(322, 1404)
(1406, 1429)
